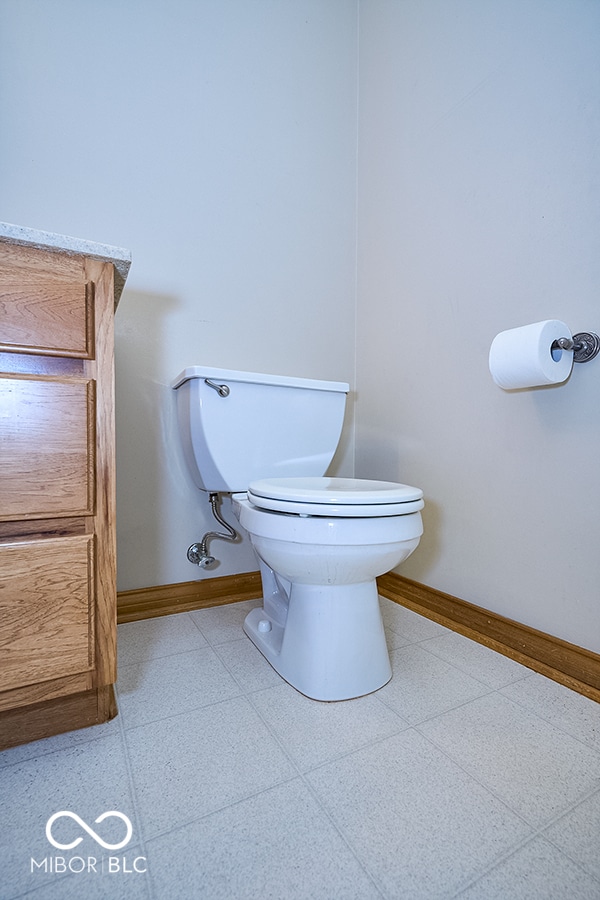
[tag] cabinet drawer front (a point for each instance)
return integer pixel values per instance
(56, 318)
(46, 448)
(46, 609)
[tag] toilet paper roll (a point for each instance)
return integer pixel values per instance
(523, 357)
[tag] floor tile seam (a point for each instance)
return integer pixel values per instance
(37, 890)
(153, 658)
(543, 718)
(196, 624)
(404, 726)
(569, 810)
(379, 697)
(438, 715)
(337, 759)
(525, 709)
(237, 680)
(223, 606)
(76, 744)
(573, 860)
(185, 712)
(486, 787)
(372, 876)
(131, 782)
(40, 891)
(356, 852)
(498, 861)
(70, 746)
(465, 671)
(358, 749)
(206, 637)
(234, 640)
(238, 693)
(273, 733)
(408, 642)
(516, 849)
(181, 826)
(534, 715)
(537, 828)
(249, 692)
(123, 664)
(217, 643)
(121, 691)
(161, 618)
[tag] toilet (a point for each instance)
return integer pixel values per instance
(320, 541)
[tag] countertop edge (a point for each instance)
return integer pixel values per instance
(47, 240)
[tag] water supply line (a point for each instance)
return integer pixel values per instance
(198, 553)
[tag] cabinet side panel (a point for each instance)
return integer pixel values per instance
(101, 369)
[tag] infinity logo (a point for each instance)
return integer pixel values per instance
(86, 827)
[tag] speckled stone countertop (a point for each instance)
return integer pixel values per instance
(46, 240)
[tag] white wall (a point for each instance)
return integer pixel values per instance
(216, 139)
(479, 210)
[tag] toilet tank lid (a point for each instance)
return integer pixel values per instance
(257, 378)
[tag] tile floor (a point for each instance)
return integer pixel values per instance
(466, 776)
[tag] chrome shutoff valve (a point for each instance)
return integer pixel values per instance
(199, 557)
(198, 553)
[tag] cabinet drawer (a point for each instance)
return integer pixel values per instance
(56, 318)
(46, 609)
(46, 447)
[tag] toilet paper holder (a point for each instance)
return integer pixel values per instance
(585, 345)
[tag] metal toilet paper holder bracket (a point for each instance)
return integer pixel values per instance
(585, 345)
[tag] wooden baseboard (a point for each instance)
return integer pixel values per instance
(51, 717)
(573, 666)
(164, 600)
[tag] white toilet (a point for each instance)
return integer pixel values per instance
(321, 542)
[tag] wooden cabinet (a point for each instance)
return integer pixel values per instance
(46, 468)
(57, 490)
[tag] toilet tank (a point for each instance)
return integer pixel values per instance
(253, 426)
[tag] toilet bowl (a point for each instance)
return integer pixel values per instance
(320, 541)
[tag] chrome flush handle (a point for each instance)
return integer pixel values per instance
(221, 389)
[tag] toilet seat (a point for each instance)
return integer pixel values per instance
(335, 497)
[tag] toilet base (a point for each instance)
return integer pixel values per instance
(332, 645)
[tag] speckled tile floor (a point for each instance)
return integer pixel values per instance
(466, 776)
